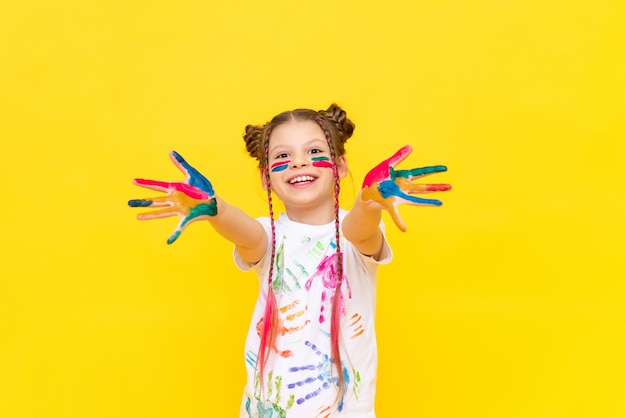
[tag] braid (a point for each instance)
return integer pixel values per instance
(269, 201)
(333, 158)
(336, 304)
(270, 316)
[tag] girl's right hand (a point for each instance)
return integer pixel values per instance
(191, 200)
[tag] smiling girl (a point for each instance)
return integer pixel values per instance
(311, 345)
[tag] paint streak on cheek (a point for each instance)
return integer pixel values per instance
(323, 162)
(279, 166)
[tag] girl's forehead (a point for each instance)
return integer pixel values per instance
(294, 133)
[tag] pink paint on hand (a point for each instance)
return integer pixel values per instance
(381, 171)
(185, 188)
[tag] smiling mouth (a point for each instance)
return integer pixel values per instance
(301, 180)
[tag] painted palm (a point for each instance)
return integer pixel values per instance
(191, 200)
(390, 187)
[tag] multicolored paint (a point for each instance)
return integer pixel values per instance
(323, 162)
(391, 187)
(272, 408)
(327, 271)
(324, 378)
(355, 325)
(310, 379)
(279, 166)
(191, 200)
(286, 326)
(357, 383)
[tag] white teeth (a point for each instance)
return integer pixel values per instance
(301, 179)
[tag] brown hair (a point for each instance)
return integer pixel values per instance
(337, 129)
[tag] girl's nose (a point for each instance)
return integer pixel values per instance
(299, 161)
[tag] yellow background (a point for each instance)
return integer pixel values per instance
(508, 301)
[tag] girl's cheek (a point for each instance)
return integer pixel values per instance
(279, 166)
(322, 162)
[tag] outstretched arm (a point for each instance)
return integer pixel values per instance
(384, 187)
(194, 199)
(361, 227)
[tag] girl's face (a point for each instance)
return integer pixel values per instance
(300, 165)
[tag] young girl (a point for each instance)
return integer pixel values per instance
(311, 346)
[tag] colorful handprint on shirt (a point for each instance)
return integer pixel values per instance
(314, 378)
(390, 187)
(288, 315)
(327, 272)
(321, 377)
(271, 408)
(191, 200)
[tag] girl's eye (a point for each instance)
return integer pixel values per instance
(316, 151)
(282, 155)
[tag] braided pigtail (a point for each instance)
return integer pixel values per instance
(335, 319)
(270, 316)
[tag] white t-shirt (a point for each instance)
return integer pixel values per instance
(299, 380)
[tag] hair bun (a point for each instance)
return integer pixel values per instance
(339, 118)
(253, 138)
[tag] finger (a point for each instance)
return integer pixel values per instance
(394, 191)
(392, 207)
(395, 216)
(179, 230)
(193, 176)
(161, 186)
(417, 201)
(138, 203)
(162, 213)
(151, 202)
(426, 188)
(174, 236)
(408, 187)
(180, 162)
(418, 172)
(167, 187)
(183, 224)
(400, 155)
(439, 187)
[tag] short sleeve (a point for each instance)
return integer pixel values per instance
(242, 264)
(386, 254)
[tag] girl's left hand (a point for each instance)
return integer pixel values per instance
(191, 200)
(389, 187)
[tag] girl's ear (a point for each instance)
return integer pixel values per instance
(342, 167)
(263, 179)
